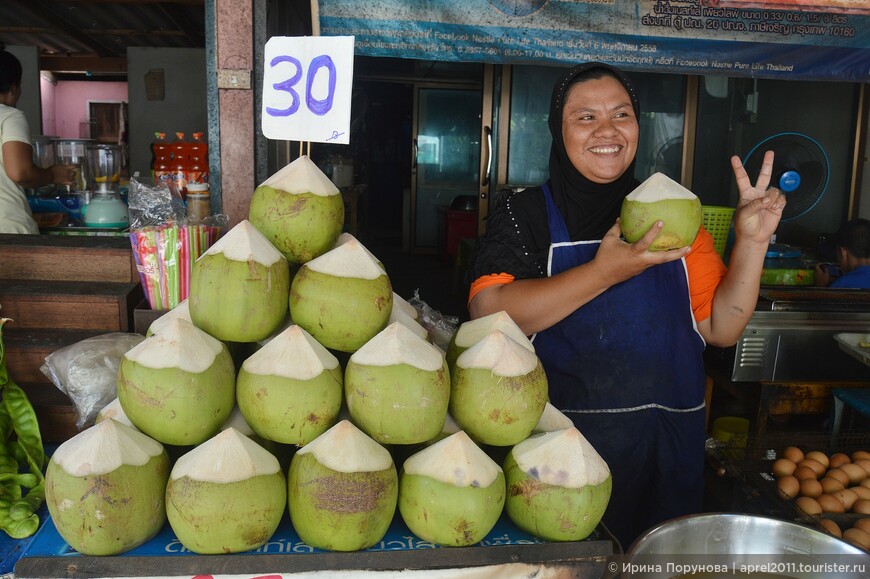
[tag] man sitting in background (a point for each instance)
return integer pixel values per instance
(853, 257)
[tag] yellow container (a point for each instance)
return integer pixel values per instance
(732, 430)
(717, 220)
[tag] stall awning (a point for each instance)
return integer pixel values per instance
(787, 39)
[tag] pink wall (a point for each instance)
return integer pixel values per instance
(65, 104)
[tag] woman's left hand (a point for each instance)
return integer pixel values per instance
(759, 208)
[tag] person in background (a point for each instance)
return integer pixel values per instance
(853, 258)
(16, 155)
(619, 329)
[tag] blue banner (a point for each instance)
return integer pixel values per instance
(788, 39)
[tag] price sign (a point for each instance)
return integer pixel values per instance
(307, 86)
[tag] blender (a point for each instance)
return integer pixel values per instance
(106, 209)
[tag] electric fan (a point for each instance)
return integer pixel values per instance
(800, 170)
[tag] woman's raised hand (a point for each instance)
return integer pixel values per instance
(759, 208)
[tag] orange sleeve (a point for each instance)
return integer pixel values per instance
(485, 281)
(706, 269)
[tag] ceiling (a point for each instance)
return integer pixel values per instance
(89, 38)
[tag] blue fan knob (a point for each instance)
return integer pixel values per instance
(789, 181)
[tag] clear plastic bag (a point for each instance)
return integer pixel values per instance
(440, 327)
(87, 371)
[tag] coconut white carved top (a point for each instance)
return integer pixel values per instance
(472, 331)
(400, 303)
(179, 344)
(552, 419)
(350, 259)
(244, 242)
(114, 411)
(561, 458)
(227, 457)
(397, 344)
(294, 353)
(104, 447)
(659, 186)
(456, 461)
(346, 448)
(501, 354)
(237, 421)
(182, 310)
(400, 315)
(345, 237)
(302, 176)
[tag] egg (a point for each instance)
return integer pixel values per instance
(865, 464)
(830, 504)
(838, 474)
(783, 467)
(819, 457)
(861, 506)
(838, 459)
(789, 487)
(809, 505)
(803, 472)
(817, 467)
(863, 524)
(793, 453)
(860, 455)
(855, 473)
(810, 487)
(865, 482)
(857, 537)
(831, 527)
(862, 492)
(832, 485)
(847, 497)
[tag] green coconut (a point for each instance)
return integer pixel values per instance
(472, 331)
(451, 493)
(114, 411)
(290, 391)
(400, 314)
(552, 419)
(342, 298)
(104, 489)
(299, 210)
(182, 310)
(558, 486)
(179, 385)
(660, 198)
(342, 490)
(227, 495)
(397, 387)
(498, 390)
(239, 287)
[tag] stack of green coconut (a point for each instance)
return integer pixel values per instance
(295, 379)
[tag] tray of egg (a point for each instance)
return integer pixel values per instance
(827, 490)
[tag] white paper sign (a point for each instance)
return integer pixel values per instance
(307, 86)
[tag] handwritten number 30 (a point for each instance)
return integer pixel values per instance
(317, 106)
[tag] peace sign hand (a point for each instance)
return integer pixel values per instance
(759, 209)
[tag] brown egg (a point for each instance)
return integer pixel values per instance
(789, 487)
(865, 482)
(803, 472)
(793, 453)
(847, 497)
(857, 537)
(860, 455)
(838, 474)
(809, 505)
(855, 473)
(817, 467)
(862, 492)
(782, 467)
(831, 527)
(832, 485)
(819, 457)
(863, 524)
(838, 459)
(861, 506)
(810, 487)
(830, 504)
(865, 464)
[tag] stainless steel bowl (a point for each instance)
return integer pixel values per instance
(737, 534)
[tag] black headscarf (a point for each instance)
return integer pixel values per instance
(589, 208)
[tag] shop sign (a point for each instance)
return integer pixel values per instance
(789, 39)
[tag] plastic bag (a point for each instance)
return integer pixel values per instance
(87, 371)
(440, 327)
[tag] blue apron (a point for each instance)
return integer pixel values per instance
(627, 368)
